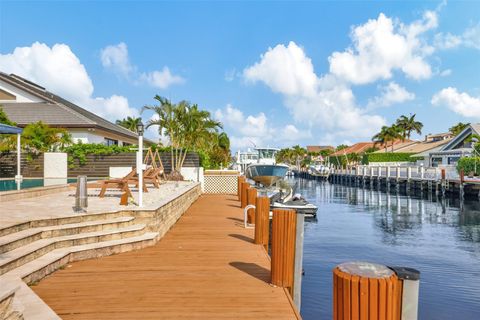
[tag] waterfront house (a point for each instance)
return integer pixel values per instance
(26, 102)
(318, 149)
(455, 148)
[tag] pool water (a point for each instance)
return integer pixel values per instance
(439, 237)
(11, 184)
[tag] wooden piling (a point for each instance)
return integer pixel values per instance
(284, 223)
(243, 200)
(251, 200)
(366, 291)
(239, 187)
(262, 221)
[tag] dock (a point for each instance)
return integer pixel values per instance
(206, 266)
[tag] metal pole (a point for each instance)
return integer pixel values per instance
(19, 175)
(297, 276)
(140, 170)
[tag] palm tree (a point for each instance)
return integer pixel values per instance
(456, 129)
(408, 124)
(187, 127)
(387, 135)
(129, 123)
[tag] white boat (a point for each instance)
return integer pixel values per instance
(318, 169)
(266, 171)
(243, 159)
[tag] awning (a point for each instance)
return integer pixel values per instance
(6, 129)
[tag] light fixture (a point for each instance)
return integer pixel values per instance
(140, 128)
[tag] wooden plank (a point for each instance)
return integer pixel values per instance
(206, 267)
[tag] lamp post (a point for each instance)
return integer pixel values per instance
(140, 129)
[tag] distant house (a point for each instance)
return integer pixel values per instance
(25, 102)
(432, 142)
(358, 148)
(454, 148)
(317, 149)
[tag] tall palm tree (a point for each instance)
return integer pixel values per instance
(407, 125)
(129, 123)
(387, 135)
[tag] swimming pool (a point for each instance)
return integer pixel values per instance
(11, 184)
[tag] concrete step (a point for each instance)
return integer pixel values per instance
(24, 254)
(21, 238)
(59, 221)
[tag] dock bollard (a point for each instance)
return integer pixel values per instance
(243, 200)
(284, 223)
(262, 221)
(81, 194)
(240, 179)
(251, 199)
(364, 290)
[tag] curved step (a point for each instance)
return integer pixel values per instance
(15, 240)
(18, 257)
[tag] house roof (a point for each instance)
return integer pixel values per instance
(319, 148)
(415, 146)
(55, 111)
(473, 128)
(356, 148)
(6, 129)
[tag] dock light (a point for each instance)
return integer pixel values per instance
(140, 130)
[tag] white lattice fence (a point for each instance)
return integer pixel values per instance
(220, 184)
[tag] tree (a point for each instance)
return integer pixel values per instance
(387, 135)
(4, 118)
(456, 129)
(407, 125)
(39, 137)
(341, 147)
(187, 127)
(129, 123)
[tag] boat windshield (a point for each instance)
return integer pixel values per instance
(266, 153)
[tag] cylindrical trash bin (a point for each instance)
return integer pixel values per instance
(366, 291)
(81, 195)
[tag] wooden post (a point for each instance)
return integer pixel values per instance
(284, 224)
(364, 291)
(245, 187)
(262, 221)
(251, 199)
(239, 187)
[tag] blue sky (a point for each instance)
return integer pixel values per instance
(275, 73)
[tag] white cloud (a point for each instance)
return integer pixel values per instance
(470, 38)
(230, 75)
(459, 102)
(391, 94)
(382, 46)
(245, 131)
(161, 79)
(326, 103)
(285, 69)
(59, 70)
(445, 72)
(116, 58)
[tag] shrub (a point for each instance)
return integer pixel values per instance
(468, 165)
(390, 157)
(80, 151)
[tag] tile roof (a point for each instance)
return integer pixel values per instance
(56, 111)
(319, 148)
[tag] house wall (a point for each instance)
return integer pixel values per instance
(90, 135)
(21, 95)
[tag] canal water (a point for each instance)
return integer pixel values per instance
(441, 238)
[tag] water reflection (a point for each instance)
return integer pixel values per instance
(438, 236)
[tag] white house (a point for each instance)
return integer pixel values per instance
(25, 102)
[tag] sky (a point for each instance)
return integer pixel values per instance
(275, 73)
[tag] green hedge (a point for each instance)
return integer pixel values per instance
(390, 157)
(468, 165)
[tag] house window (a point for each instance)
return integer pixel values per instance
(453, 160)
(111, 142)
(436, 161)
(126, 144)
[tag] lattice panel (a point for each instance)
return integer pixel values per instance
(221, 184)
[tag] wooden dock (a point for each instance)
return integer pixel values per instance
(205, 267)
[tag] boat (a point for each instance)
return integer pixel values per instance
(318, 169)
(243, 159)
(296, 202)
(266, 171)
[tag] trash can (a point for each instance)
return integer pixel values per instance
(81, 195)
